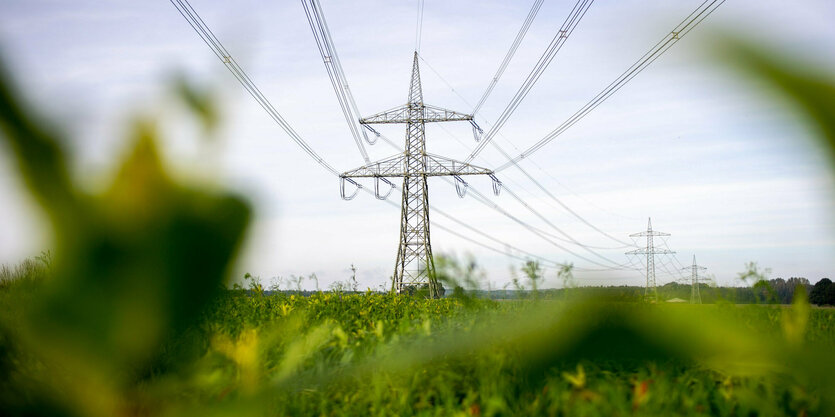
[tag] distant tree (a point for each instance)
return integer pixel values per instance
(254, 284)
(455, 272)
(276, 286)
(566, 275)
(792, 285)
(518, 286)
(337, 286)
(313, 277)
(758, 280)
(533, 270)
(296, 281)
(823, 293)
(781, 290)
(422, 290)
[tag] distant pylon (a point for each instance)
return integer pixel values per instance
(695, 297)
(651, 290)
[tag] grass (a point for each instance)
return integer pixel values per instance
(378, 354)
(606, 377)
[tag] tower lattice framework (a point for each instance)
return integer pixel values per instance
(414, 267)
(651, 290)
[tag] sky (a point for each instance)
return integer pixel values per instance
(731, 174)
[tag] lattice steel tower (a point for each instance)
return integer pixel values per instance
(695, 297)
(650, 251)
(415, 267)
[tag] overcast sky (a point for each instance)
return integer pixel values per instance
(731, 174)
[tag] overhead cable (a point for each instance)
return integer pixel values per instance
(537, 4)
(205, 33)
(551, 51)
(208, 37)
(548, 237)
(527, 255)
(199, 26)
(670, 39)
(526, 173)
(566, 239)
(419, 26)
(558, 201)
(327, 50)
(479, 197)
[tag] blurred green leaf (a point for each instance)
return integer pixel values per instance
(200, 101)
(802, 84)
(135, 265)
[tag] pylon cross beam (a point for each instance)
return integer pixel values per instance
(407, 114)
(398, 166)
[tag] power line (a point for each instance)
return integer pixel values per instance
(568, 239)
(683, 28)
(493, 206)
(568, 26)
(326, 47)
(553, 48)
(206, 34)
(484, 201)
(539, 233)
(327, 50)
(537, 4)
(528, 255)
(324, 42)
(419, 26)
(558, 201)
(529, 176)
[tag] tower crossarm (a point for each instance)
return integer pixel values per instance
(393, 166)
(440, 114)
(644, 251)
(652, 233)
(439, 166)
(435, 166)
(426, 114)
(690, 268)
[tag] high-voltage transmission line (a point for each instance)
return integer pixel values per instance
(689, 23)
(695, 297)
(316, 18)
(399, 166)
(568, 26)
(650, 251)
(537, 4)
(318, 25)
(415, 267)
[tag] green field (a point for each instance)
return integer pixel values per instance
(383, 355)
(377, 354)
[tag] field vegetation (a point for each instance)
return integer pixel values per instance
(335, 353)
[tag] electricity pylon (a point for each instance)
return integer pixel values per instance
(414, 266)
(650, 251)
(695, 297)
